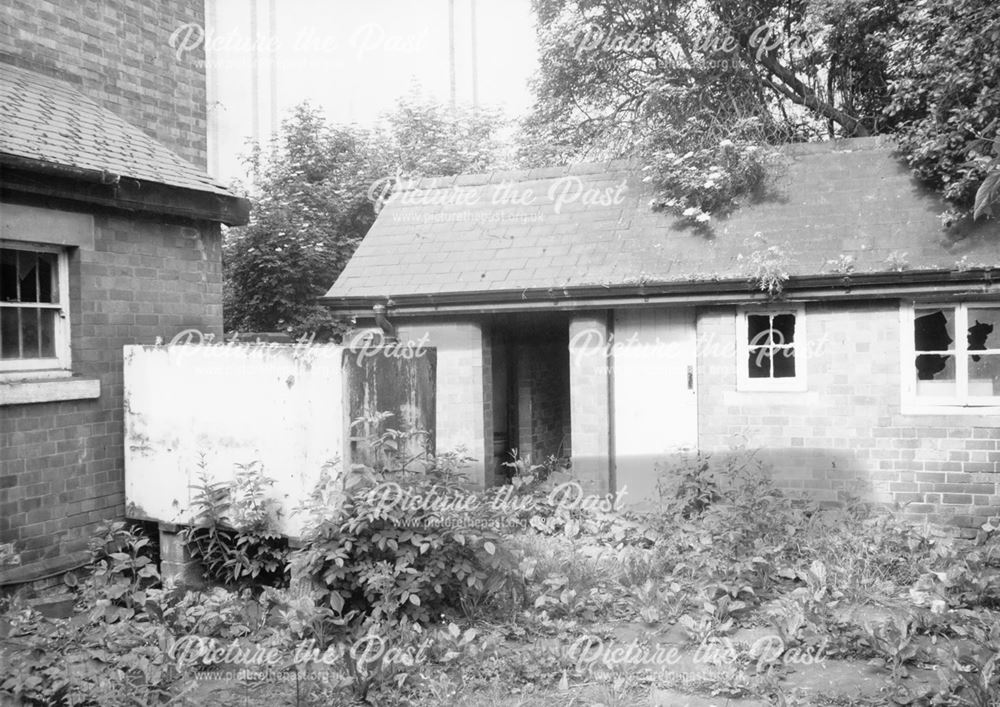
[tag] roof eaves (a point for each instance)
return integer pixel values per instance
(20, 174)
(940, 283)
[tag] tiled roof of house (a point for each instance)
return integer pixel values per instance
(836, 205)
(49, 121)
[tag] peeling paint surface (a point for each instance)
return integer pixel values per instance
(228, 405)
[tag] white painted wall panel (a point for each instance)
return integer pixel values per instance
(281, 406)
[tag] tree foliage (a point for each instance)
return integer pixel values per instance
(947, 69)
(312, 203)
(691, 86)
(309, 215)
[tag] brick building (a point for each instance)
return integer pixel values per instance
(874, 370)
(109, 235)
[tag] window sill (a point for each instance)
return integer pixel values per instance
(48, 390)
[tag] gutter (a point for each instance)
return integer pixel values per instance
(895, 285)
(94, 186)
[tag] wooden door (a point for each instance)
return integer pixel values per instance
(655, 398)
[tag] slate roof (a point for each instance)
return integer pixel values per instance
(49, 121)
(831, 203)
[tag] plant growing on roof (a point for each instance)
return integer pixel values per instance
(707, 181)
(681, 76)
(767, 267)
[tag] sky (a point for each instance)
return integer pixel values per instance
(353, 58)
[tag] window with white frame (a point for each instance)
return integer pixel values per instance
(771, 353)
(955, 355)
(34, 308)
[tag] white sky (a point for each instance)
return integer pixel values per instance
(354, 58)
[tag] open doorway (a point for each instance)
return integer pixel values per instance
(530, 390)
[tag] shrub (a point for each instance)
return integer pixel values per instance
(391, 551)
(388, 558)
(231, 535)
(112, 651)
(724, 524)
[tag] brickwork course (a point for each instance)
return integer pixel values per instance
(845, 221)
(119, 54)
(96, 87)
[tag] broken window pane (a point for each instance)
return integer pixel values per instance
(27, 272)
(984, 374)
(934, 330)
(936, 375)
(984, 329)
(48, 287)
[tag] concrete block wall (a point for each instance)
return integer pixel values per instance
(491, 470)
(847, 433)
(119, 53)
(589, 416)
(61, 463)
(460, 409)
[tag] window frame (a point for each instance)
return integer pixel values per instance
(962, 402)
(61, 362)
(796, 383)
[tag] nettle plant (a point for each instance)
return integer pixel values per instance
(390, 552)
(232, 535)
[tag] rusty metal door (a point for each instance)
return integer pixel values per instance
(380, 381)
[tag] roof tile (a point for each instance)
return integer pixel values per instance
(847, 197)
(48, 120)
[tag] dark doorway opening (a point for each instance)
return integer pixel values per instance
(530, 401)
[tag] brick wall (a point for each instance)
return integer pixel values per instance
(118, 52)
(61, 463)
(542, 393)
(847, 433)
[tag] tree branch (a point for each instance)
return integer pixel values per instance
(794, 90)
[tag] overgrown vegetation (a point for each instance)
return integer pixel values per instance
(318, 187)
(232, 534)
(396, 547)
(676, 83)
(419, 589)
